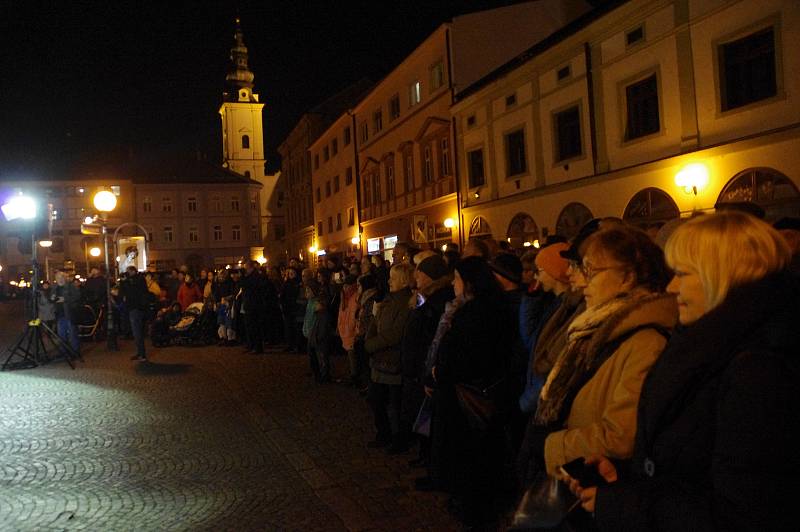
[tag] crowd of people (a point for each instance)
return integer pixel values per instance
(663, 374)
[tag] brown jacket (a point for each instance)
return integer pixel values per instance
(602, 419)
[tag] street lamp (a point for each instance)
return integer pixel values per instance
(105, 202)
(95, 252)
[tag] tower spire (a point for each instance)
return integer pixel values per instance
(239, 79)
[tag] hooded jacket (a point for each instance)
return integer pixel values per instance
(382, 341)
(602, 418)
(716, 446)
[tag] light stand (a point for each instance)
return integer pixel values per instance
(30, 348)
(111, 334)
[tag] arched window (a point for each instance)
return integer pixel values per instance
(247, 173)
(650, 208)
(767, 188)
(245, 142)
(522, 229)
(571, 219)
(479, 228)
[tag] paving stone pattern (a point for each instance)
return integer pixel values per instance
(198, 439)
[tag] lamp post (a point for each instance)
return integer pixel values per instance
(105, 202)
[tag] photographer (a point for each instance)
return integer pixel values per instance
(135, 294)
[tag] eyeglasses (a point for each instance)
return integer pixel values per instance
(589, 272)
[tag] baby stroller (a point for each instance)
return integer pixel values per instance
(160, 329)
(197, 326)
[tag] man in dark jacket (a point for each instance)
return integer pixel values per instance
(95, 289)
(434, 290)
(135, 294)
(382, 343)
(254, 307)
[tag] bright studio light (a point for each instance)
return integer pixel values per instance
(104, 201)
(94, 252)
(21, 207)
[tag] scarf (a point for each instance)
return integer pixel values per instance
(445, 322)
(576, 360)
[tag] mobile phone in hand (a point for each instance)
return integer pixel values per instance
(587, 475)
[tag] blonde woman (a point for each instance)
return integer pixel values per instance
(718, 423)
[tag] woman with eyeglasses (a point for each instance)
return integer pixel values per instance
(717, 438)
(588, 402)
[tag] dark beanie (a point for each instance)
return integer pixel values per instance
(434, 267)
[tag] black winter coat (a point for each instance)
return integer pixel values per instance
(420, 330)
(718, 439)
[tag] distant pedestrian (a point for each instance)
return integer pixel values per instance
(136, 297)
(67, 299)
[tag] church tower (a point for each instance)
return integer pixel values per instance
(242, 129)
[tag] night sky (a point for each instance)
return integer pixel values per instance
(83, 81)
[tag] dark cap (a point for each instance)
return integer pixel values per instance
(508, 266)
(588, 229)
(434, 267)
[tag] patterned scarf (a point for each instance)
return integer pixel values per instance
(576, 359)
(445, 322)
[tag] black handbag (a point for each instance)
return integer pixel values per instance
(480, 406)
(544, 506)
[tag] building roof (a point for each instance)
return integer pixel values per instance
(553, 39)
(180, 170)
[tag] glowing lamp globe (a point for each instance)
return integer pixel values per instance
(45, 243)
(94, 252)
(355, 240)
(312, 249)
(449, 223)
(104, 201)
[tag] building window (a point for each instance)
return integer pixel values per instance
(444, 145)
(330, 224)
(335, 184)
(254, 203)
(408, 171)
(747, 69)
(389, 169)
(568, 134)
(511, 100)
(319, 228)
(326, 154)
(327, 189)
(563, 73)
(247, 174)
(217, 233)
(254, 233)
(427, 167)
(316, 161)
(471, 120)
(377, 121)
(346, 139)
(364, 132)
(367, 197)
(245, 142)
(167, 233)
(414, 93)
(149, 231)
(235, 203)
(437, 76)
(348, 176)
(191, 204)
(338, 221)
(166, 204)
(335, 147)
(115, 189)
(376, 187)
(194, 234)
(634, 36)
(476, 174)
(147, 204)
(642, 106)
(351, 217)
(216, 203)
(236, 233)
(515, 153)
(394, 107)
(319, 195)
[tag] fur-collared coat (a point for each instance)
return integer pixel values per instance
(602, 418)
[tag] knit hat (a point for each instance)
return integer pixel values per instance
(434, 267)
(508, 266)
(550, 259)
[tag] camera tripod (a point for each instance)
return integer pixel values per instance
(30, 349)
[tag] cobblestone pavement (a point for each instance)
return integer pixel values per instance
(198, 439)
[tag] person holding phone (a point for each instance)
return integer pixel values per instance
(717, 439)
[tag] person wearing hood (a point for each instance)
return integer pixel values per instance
(346, 323)
(382, 344)
(717, 436)
(434, 291)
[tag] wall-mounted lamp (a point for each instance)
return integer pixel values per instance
(477, 195)
(45, 243)
(449, 223)
(312, 249)
(692, 177)
(355, 240)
